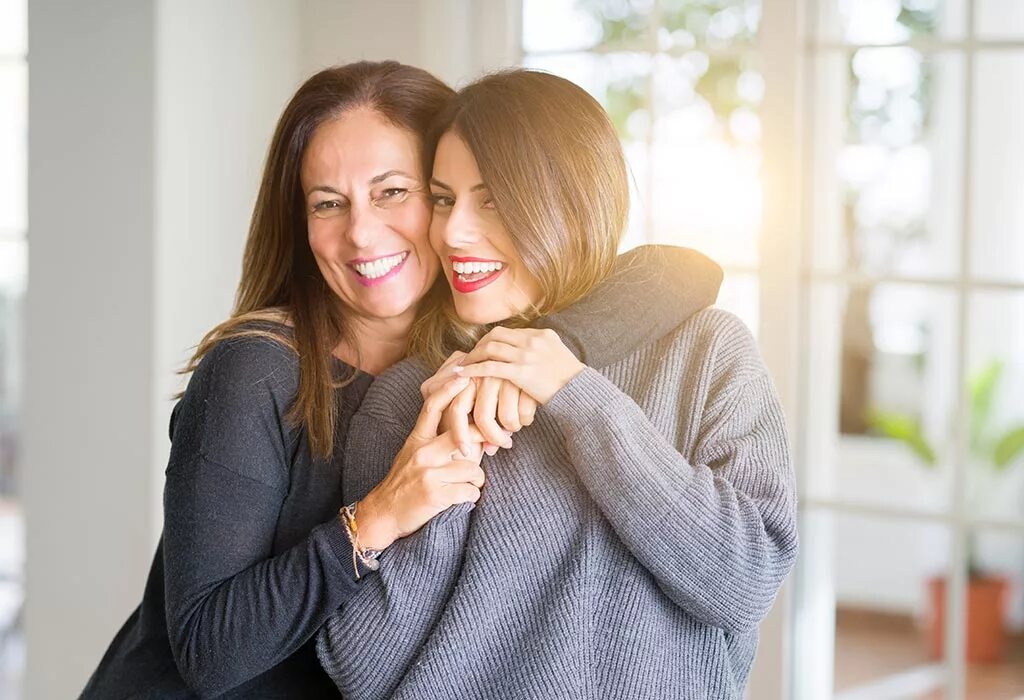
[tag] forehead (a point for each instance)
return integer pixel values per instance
(357, 146)
(454, 163)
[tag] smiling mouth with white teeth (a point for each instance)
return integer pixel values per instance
(471, 271)
(371, 272)
(471, 275)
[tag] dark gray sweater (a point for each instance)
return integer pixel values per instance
(253, 558)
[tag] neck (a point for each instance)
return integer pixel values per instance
(374, 344)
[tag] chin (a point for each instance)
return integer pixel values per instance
(477, 314)
(391, 309)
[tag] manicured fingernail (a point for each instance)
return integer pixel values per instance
(508, 445)
(464, 446)
(491, 450)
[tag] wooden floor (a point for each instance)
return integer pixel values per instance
(872, 646)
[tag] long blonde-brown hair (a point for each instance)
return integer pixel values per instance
(280, 279)
(553, 164)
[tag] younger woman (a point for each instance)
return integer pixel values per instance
(631, 540)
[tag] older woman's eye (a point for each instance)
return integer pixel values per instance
(327, 208)
(390, 197)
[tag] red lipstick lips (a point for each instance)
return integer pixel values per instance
(476, 280)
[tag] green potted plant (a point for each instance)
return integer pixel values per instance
(994, 451)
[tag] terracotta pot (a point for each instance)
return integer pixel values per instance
(986, 615)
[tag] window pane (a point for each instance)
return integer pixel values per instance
(890, 21)
(716, 23)
(571, 25)
(997, 212)
(999, 19)
(13, 27)
(12, 562)
(888, 163)
(13, 267)
(740, 295)
(880, 399)
(13, 264)
(866, 612)
(995, 383)
(706, 155)
(13, 145)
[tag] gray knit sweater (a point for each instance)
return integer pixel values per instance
(627, 546)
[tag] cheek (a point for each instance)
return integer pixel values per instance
(437, 233)
(415, 225)
(322, 241)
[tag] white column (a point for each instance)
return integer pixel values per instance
(89, 332)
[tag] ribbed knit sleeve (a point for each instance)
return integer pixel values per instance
(367, 646)
(234, 610)
(718, 531)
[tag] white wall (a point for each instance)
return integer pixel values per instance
(457, 40)
(224, 71)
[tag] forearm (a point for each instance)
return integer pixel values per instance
(233, 611)
(367, 646)
(669, 283)
(719, 541)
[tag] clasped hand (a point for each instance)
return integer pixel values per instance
(473, 404)
(512, 371)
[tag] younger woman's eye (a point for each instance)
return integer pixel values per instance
(442, 201)
(488, 203)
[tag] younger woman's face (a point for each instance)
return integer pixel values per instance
(367, 215)
(486, 274)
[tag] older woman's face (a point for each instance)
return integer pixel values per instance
(488, 279)
(367, 215)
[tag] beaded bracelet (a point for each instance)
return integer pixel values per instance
(367, 557)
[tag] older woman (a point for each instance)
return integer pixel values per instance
(631, 540)
(257, 549)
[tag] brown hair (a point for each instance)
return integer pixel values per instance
(280, 279)
(553, 164)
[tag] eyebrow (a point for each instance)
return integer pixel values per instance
(474, 188)
(374, 181)
(323, 188)
(384, 176)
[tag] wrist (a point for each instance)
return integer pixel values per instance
(377, 527)
(574, 371)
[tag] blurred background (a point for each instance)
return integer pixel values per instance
(856, 165)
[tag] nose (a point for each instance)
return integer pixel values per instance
(462, 228)
(364, 224)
